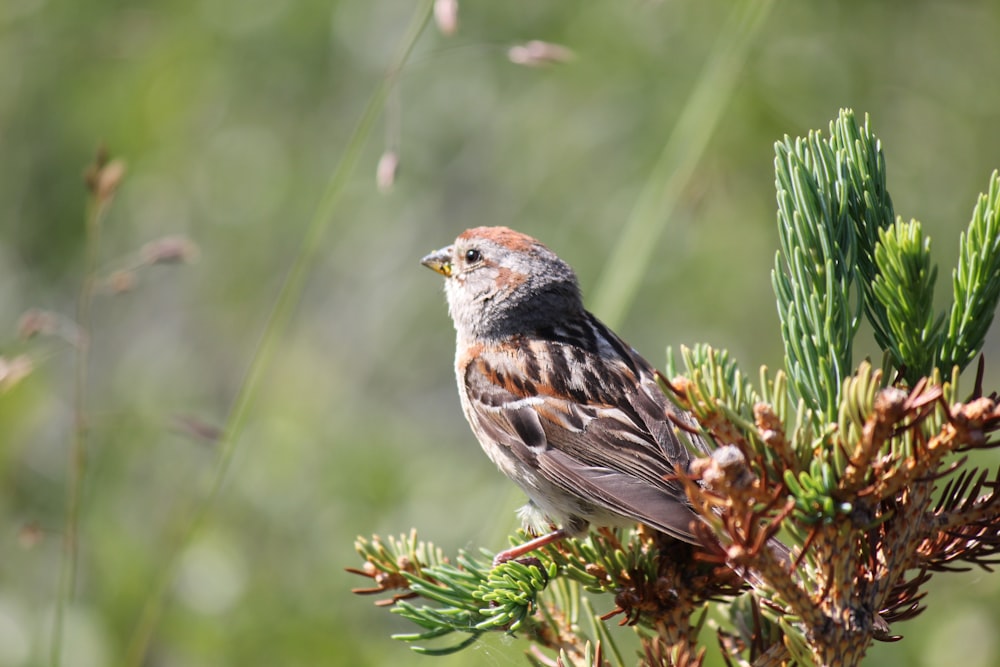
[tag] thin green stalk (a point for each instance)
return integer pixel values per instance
(289, 295)
(77, 459)
(630, 258)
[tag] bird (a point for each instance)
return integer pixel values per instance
(558, 401)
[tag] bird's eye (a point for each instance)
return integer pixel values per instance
(472, 256)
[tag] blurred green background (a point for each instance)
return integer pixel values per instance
(231, 115)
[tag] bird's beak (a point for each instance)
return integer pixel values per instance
(440, 261)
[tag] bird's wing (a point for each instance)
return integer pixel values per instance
(588, 418)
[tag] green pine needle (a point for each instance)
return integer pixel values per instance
(868, 205)
(814, 268)
(976, 282)
(904, 286)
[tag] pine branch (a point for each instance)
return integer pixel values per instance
(813, 277)
(904, 286)
(869, 206)
(976, 282)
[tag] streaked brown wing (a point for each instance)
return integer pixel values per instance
(609, 443)
(621, 493)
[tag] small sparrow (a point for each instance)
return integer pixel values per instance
(559, 403)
